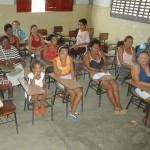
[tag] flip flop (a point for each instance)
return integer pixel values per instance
(72, 117)
(133, 123)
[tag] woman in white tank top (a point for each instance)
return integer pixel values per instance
(126, 54)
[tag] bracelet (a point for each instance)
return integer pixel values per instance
(61, 68)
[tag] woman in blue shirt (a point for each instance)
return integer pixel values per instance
(141, 76)
(144, 46)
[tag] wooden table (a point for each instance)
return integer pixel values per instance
(69, 85)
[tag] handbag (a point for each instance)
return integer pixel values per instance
(4, 83)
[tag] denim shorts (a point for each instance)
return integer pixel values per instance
(124, 71)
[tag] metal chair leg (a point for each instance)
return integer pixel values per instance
(16, 122)
(25, 103)
(88, 87)
(33, 114)
(100, 94)
(129, 102)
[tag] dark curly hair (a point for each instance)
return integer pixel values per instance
(35, 63)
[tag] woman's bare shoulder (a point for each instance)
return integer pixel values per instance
(135, 66)
(86, 54)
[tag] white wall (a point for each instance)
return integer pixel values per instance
(117, 28)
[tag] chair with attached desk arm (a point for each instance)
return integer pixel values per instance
(34, 90)
(48, 67)
(96, 86)
(68, 84)
(8, 113)
(136, 99)
(119, 73)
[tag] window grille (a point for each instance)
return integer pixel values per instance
(135, 10)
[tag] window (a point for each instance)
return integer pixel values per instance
(135, 10)
(38, 6)
(44, 5)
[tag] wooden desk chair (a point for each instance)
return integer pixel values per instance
(111, 61)
(43, 32)
(137, 99)
(8, 113)
(71, 38)
(68, 84)
(119, 73)
(103, 37)
(34, 54)
(48, 67)
(96, 86)
(91, 32)
(78, 68)
(58, 29)
(23, 52)
(34, 90)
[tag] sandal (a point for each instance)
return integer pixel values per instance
(43, 109)
(72, 117)
(120, 112)
(76, 113)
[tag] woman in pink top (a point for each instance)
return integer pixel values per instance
(35, 40)
(126, 56)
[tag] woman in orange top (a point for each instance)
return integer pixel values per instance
(63, 68)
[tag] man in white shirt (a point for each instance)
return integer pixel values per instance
(82, 38)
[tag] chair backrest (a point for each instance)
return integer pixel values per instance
(91, 32)
(103, 36)
(120, 43)
(73, 33)
(136, 48)
(58, 29)
(43, 32)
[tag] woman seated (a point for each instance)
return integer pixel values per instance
(35, 40)
(95, 61)
(144, 46)
(126, 56)
(63, 68)
(140, 72)
(10, 57)
(14, 40)
(50, 52)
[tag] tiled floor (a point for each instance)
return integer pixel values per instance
(96, 129)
